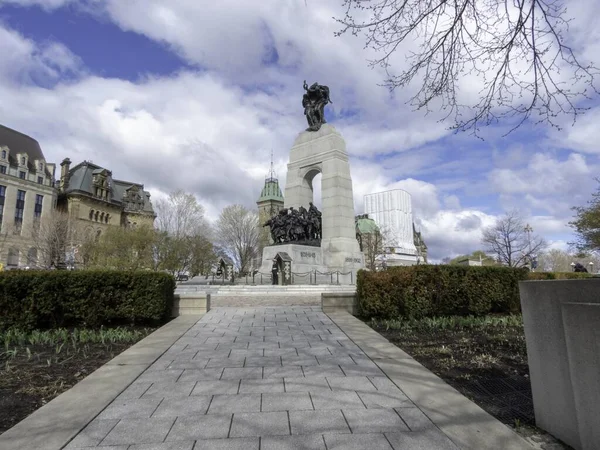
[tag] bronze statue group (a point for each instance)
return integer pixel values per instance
(291, 225)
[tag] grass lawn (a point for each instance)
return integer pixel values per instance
(483, 358)
(35, 367)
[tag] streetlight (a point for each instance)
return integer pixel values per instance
(572, 267)
(528, 230)
(591, 263)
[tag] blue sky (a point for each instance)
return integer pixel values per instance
(195, 96)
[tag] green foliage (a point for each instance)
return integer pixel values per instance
(122, 248)
(427, 291)
(558, 276)
(587, 224)
(52, 299)
(75, 336)
(449, 323)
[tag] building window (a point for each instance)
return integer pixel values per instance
(2, 198)
(96, 215)
(40, 180)
(3, 154)
(13, 257)
(22, 160)
(41, 167)
(91, 214)
(2, 169)
(106, 218)
(39, 200)
(22, 175)
(19, 209)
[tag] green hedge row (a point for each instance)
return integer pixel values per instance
(558, 275)
(49, 299)
(428, 290)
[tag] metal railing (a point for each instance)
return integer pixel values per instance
(314, 277)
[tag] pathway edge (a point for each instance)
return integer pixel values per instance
(465, 423)
(55, 424)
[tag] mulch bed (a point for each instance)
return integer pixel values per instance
(31, 379)
(488, 365)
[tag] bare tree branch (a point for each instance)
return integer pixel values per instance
(518, 49)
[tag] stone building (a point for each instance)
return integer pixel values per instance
(269, 203)
(27, 194)
(94, 198)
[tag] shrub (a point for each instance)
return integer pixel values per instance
(51, 299)
(558, 275)
(427, 291)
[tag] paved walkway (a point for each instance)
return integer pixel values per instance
(262, 378)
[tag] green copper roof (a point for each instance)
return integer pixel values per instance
(366, 226)
(271, 191)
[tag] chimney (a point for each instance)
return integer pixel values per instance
(64, 174)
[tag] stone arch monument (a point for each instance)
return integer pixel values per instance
(321, 149)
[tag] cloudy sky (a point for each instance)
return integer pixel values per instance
(196, 94)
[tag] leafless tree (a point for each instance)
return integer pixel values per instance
(517, 49)
(56, 234)
(180, 215)
(237, 233)
(510, 242)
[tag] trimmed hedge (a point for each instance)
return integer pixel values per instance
(49, 299)
(558, 275)
(428, 290)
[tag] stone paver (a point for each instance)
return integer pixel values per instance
(262, 377)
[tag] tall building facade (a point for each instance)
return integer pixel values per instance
(91, 195)
(27, 195)
(392, 211)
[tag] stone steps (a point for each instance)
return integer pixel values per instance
(217, 291)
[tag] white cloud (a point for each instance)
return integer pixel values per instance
(211, 131)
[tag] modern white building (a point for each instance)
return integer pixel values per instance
(392, 211)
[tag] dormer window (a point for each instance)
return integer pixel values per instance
(22, 160)
(41, 167)
(4, 154)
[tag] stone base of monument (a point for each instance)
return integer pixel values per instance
(313, 265)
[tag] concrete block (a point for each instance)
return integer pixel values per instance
(183, 406)
(555, 368)
(336, 400)
(374, 420)
(372, 441)
(209, 426)
(139, 431)
(305, 442)
(228, 444)
(211, 387)
(289, 401)
(260, 424)
(581, 321)
(309, 422)
(226, 403)
(192, 303)
(424, 440)
(187, 445)
(260, 386)
(335, 302)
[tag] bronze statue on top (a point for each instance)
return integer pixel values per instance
(314, 101)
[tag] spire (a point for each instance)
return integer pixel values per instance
(272, 176)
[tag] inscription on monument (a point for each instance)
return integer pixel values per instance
(308, 255)
(356, 260)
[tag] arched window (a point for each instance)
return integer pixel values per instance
(91, 214)
(106, 218)
(96, 215)
(41, 168)
(13, 257)
(3, 154)
(22, 160)
(102, 217)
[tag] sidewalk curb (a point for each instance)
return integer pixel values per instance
(55, 424)
(465, 423)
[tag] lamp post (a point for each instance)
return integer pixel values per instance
(572, 267)
(591, 263)
(528, 230)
